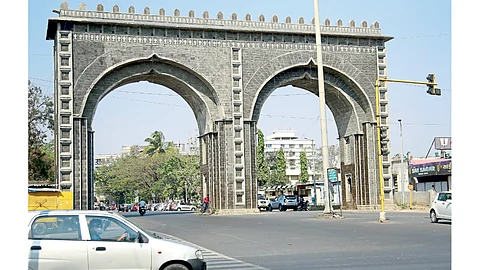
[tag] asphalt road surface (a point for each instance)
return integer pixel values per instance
(303, 240)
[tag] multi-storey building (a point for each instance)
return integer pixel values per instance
(292, 148)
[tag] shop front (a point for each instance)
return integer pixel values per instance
(430, 174)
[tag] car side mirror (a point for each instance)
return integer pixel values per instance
(141, 238)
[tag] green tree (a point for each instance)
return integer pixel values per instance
(40, 126)
(303, 167)
(156, 143)
(263, 172)
(281, 167)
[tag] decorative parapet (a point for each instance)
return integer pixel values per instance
(233, 23)
(219, 43)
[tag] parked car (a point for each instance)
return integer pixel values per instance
(441, 207)
(262, 202)
(183, 206)
(283, 202)
(63, 239)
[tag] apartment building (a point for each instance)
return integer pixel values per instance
(292, 148)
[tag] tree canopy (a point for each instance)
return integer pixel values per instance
(41, 160)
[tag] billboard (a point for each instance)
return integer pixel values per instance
(443, 143)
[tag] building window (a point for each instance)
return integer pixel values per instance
(269, 145)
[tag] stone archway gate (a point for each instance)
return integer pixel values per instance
(225, 69)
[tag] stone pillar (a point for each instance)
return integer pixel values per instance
(250, 174)
(371, 160)
(91, 168)
(80, 163)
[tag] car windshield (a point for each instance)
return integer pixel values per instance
(291, 197)
(261, 197)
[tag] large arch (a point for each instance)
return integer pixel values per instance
(225, 71)
(353, 112)
(195, 90)
(344, 97)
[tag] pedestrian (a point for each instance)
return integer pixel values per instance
(206, 201)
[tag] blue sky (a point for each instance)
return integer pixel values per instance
(421, 45)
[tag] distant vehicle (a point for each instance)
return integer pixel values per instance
(441, 207)
(283, 202)
(262, 202)
(183, 206)
(124, 207)
(87, 239)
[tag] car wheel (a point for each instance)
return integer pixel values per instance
(280, 207)
(193, 209)
(433, 216)
(178, 209)
(269, 208)
(176, 267)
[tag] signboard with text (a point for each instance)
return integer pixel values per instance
(443, 167)
(332, 175)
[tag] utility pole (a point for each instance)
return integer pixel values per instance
(401, 162)
(313, 176)
(323, 118)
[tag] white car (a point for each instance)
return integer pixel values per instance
(441, 207)
(182, 206)
(89, 239)
(262, 202)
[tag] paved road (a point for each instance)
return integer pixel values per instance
(301, 240)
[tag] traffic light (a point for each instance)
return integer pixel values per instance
(384, 140)
(432, 90)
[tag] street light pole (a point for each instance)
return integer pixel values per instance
(313, 176)
(323, 119)
(401, 163)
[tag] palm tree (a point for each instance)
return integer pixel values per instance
(156, 143)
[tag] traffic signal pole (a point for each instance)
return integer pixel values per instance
(432, 90)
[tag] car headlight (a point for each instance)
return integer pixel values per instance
(199, 254)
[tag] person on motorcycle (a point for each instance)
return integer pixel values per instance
(142, 203)
(302, 202)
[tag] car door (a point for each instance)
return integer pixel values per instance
(275, 203)
(55, 242)
(448, 205)
(441, 204)
(109, 253)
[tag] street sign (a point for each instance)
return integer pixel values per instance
(332, 174)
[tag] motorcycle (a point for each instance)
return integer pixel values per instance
(304, 206)
(142, 210)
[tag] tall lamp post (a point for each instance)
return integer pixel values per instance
(401, 162)
(323, 119)
(313, 176)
